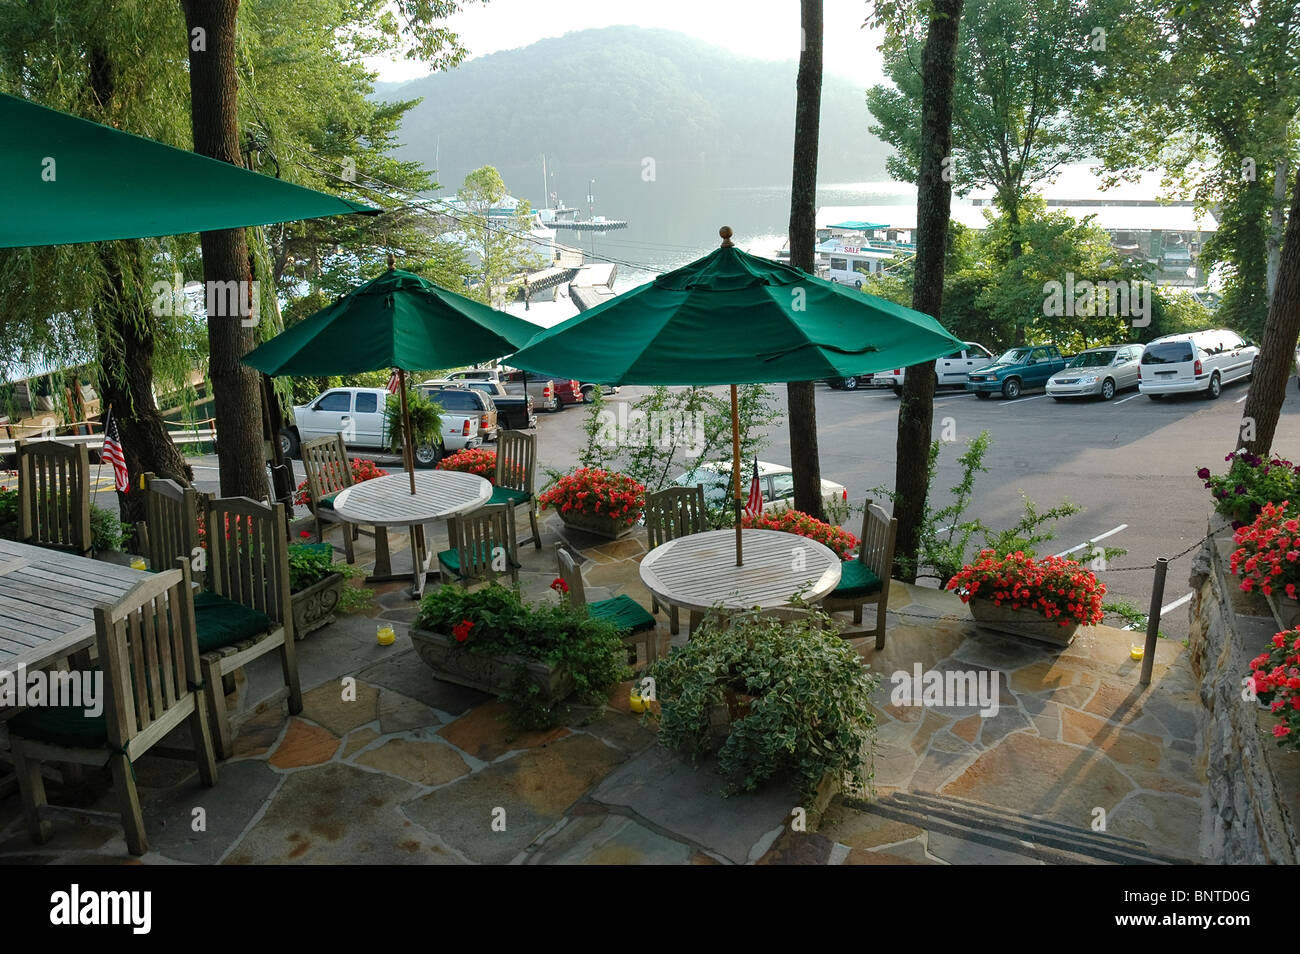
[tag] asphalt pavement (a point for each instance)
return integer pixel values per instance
(1129, 463)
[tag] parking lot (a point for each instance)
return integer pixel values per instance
(1129, 463)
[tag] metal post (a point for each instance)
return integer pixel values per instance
(1153, 621)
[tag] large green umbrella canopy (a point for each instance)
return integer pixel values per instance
(68, 180)
(734, 318)
(398, 320)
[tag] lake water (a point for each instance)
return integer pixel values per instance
(674, 217)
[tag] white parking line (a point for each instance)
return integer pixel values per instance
(1175, 604)
(1099, 537)
(1129, 398)
(1242, 398)
(1021, 400)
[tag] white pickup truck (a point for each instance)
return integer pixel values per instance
(358, 414)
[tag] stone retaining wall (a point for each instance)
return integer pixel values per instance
(1254, 791)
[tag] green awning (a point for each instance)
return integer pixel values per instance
(65, 179)
(859, 226)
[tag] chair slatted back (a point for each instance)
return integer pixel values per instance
(516, 460)
(172, 519)
(572, 576)
(248, 555)
(675, 512)
(54, 494)
(325, 459)
(876, 548)
(479, 539)
(149, 650)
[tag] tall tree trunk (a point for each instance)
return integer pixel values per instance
(1277, 351)
(236, 391)
(933, 204)
(1276, 224)
(125, 343)
(125, 346)
(801, 398)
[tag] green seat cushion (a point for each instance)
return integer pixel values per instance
(504, 495)
(451, 558)
(856, 579)
(223, 622)
(327, 502)
(61, 725)
(623, 611)
(326, 549)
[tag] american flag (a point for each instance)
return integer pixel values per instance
(394, 382)
(754, 506)
(112, 452)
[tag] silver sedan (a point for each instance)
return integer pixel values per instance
(1097, 372)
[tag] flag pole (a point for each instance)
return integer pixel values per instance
(735, 469)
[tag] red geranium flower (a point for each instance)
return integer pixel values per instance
(559, 585)
(461, 630)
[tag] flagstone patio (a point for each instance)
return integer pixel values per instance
(397, 767)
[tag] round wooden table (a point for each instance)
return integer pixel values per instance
(388, 502)
(698, 572)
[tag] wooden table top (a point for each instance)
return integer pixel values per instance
(388, 502)
(699, 571)
(47, 602)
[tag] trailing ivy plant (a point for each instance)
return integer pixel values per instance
(810, 713)
(495, 621)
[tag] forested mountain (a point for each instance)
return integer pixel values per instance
(620, 94)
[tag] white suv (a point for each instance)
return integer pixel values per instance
(949, 371)
(1201, 361)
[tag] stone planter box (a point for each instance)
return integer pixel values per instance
(314, 606)
(1022, 622)
(493, 674)
(599, 525)
(1286, 611)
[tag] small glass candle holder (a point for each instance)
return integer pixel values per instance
(385, 635)
(1137, 651)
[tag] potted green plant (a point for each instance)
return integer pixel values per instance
(1047, 600)
(532, 656)
(773, 697)
(426, 426)
(318, 586)
(1267, 559)
(602, 502)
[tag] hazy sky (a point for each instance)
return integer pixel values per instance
(767, 29)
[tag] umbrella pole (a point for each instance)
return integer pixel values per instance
(735, 468)
(408, 449)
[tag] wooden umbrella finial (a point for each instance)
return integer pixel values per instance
(392, 261)
(725, 232)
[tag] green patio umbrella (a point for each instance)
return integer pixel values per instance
(398, 320)
(734, 318)
(69, 180)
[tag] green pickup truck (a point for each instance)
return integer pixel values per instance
(1016, 371)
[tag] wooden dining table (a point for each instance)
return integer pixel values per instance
(698, 572)
(47, 602)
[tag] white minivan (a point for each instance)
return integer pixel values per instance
(1202, 361)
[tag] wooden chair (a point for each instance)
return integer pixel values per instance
(623, 611)
(329, 471)
(670, 514)
(148, 648)
(478, 541)
(865, 579)
(246, 611)
(172, 525)
(516, 465)
(54, 495)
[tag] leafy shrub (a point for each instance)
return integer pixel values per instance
(426, 420)
(495, 621)
(1250, 483)
(810, 710)
(107, 531)
(8, 513)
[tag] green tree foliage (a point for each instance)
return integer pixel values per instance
(500, 243)
(1209, 91)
